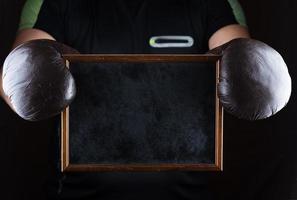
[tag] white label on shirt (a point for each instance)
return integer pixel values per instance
(168, 41)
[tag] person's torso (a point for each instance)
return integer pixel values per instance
(120, 27)
(116, 27)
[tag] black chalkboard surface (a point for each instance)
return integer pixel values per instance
(143, 113)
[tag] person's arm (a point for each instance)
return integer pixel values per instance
(30, 34)
(222, 23)
(29, 17)
(26, 32)
(226, 34)
(254, 82)
(35, 82)
(41, 19)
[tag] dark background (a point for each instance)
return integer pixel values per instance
(260, 158)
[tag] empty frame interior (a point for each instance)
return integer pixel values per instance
(143, 113)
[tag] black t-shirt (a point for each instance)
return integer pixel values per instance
(120, 27)
(116, 26)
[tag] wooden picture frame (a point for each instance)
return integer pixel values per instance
(67, 166)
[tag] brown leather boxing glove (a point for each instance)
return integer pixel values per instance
(254, 81)
(36, 83)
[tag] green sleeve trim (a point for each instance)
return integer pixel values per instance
(30, 13)
(238, 12)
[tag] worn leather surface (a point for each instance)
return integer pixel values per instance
(254, 79)
(142, 113)
(36, 81)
